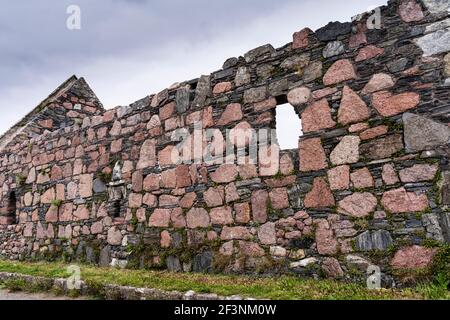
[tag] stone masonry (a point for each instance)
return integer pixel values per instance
(371, 173)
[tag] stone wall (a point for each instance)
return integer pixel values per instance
(371, 174)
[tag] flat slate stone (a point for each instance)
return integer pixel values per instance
(423, 134)
(376, 240)
(333, 30)
(203, 262)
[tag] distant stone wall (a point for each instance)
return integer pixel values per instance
(371, 173)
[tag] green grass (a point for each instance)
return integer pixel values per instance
(283, 287)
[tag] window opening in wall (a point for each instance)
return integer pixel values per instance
(12, 203)
(116, 209)
(288, 126)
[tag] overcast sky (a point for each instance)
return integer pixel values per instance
(127, 49)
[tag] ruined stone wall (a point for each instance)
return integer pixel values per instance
(371, 173)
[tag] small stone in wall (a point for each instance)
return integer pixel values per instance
(358, 205)
(160, 218)
(299, 96)
(339, 178)
(222, 87)
(347, 151)
(374, 132)
(389, 105)
(267, 234)
(382, 148)
(401, 201)
(332, 268)
(362, 178)
(389, 175)
(320, 196)
(422, 133)
(378, 82)
(235, 233)
(300, 39)
(410, 11)
(221, 216)
(447, 64)
(325, 238)
(333, 48)
(353, 108)
(147, 156)
(197, 218)
(312, 155)
(414, 257)
(317, 117)
(340, 71)
(369, 52)
(418, 173)
(279, 198)
(226, 173)
(260, 200)
(114, 237)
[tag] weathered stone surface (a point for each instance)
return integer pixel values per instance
(312, 156)
(362, 178)
(299, 96)
(435, 43)
(333, 48)
(410, 11)
(418, 173)
(375, 240)
(222, 87)
(232, 113)
(279, 198)
(235, 233)
(203, 262)
(340, 71)
(424, 134)
(147, 155)
(317, 117)
(320, 196)
(260, 200)
(389, 175)
(333, 30)
(332, 268)
(214, 197)
(183, 99)
(389, 105)
(203, 91)
(267, 234)
(382, 148)
(437, 6)
(226, 173)
(258, 52)
(414, 257)
(433, 227)
(352, 109)
(221, 216)
(325, 238)
(300, 39)
(242, 212)
(160, 218)
(114, 237)
(197, 218)
(368, 52)
(374, 132)
(243, 76)
(358, 205)
(347, 151)
(378, 82)
(401, 201)
(339, 178)
(447, 64)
